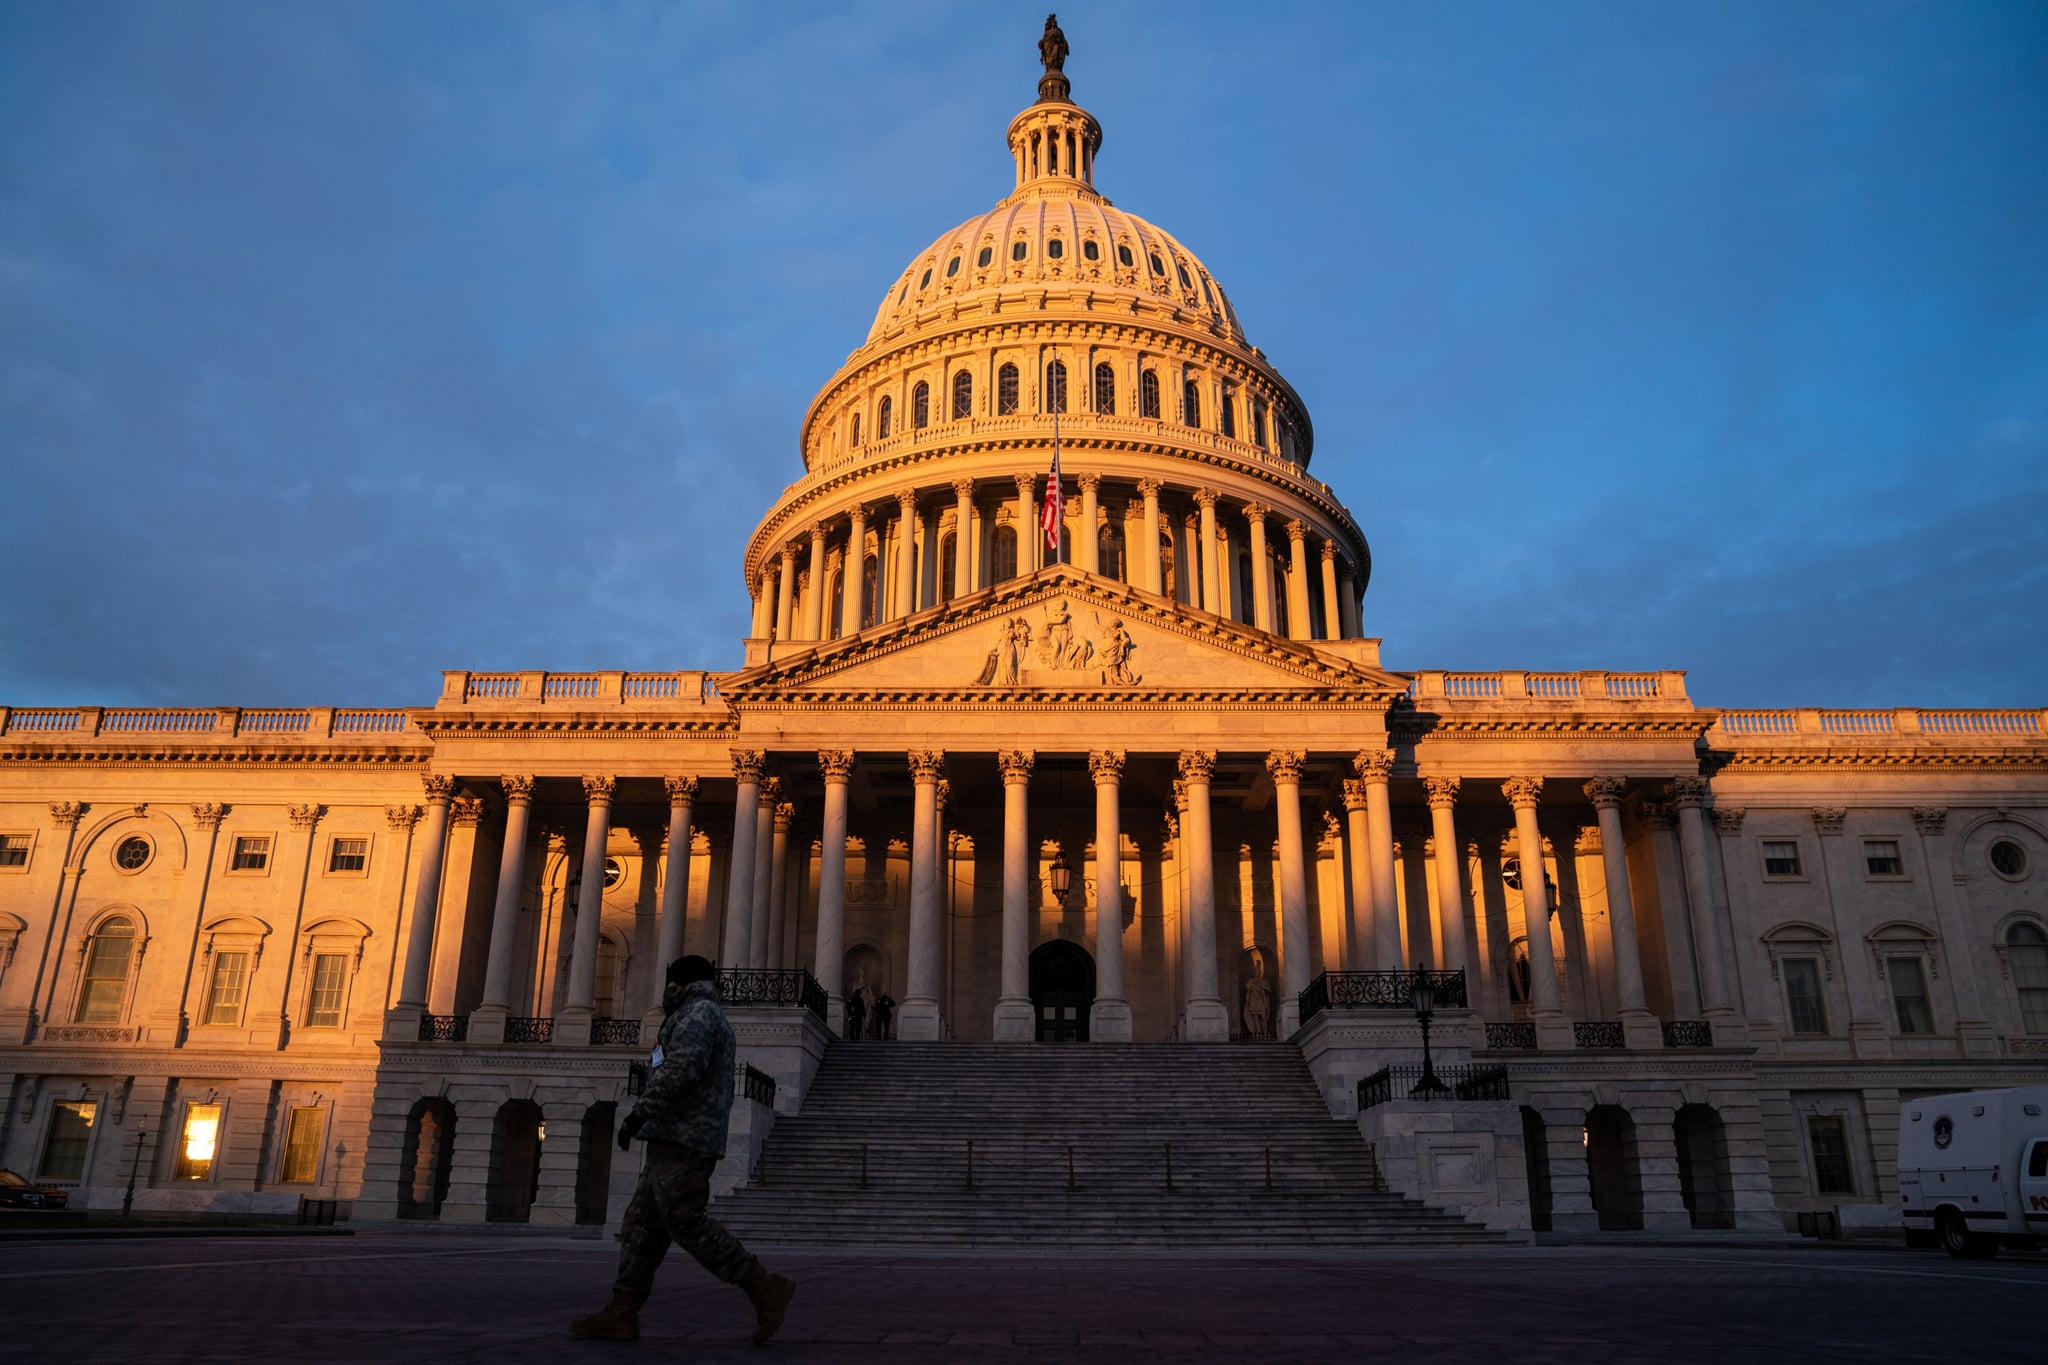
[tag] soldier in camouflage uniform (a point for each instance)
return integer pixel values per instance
(682, 1118)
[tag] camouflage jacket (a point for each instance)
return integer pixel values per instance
(689, 1095)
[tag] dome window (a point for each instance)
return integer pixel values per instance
(1090, 251)
(1185, 282)
(856, 428)
(921, 406)
(1148, 394)
(1158, 266)
(1123, 253)
(1207, 293)
(1055, 248)
(1017, 251)
(952, 267)
(1006, 391)
(904, 292)
(884, 418)
(926, 281)
(1226, 410)
(1191, 404)
(1105, 389)
(963, 395)
(1056, 387)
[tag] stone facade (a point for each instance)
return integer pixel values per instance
(1153, 783)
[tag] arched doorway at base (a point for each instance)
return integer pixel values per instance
(1062, 990)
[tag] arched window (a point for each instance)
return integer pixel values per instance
(1190, 404)
(1056, 386)
(108, 956)
(1258, 421)
(2026, 955)
(1244, 589)
(963, 395)
(1110, 550)
(1148, 394)
(1105, 389)
(1227, 411)
(948, 566)
(856, 428)
(920, 406)
(1006, 391)
(884, 418)
(1003, 555)
(870, 584)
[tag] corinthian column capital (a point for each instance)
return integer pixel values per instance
(1688, 793)
(746, 765)
(1105, 765)
(835, 764)
(1285, 765)
(1197, 765)
(1522, 792)
(682, 791)
(1354, 793)
(1605, 792)
(518, 788)
(599, 788)
(1016, 765)
(1374, 765)
(927, 765)
(438, 786)
(1443, 792)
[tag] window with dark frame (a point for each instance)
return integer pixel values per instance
(303, 1132)
(1056, 386)
(64, 1146)
(1190, 404)
(107, 963)
(1781, 858)
(1881, 856)
(349, 855)
(198, 1140)
(323, 1000)
(252, 853)
(2026, 956)
(13, 850)
(884, 417)
(224, 994)
(1226, 411)
(1006, 391)
(1908, 980)
(963, 395)
(920, 406)
(1802, 995)
(1829, 1139)
(1148, 394)
(1105, 389)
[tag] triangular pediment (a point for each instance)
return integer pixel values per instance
(1059, 631)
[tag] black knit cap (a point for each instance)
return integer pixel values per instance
(685, 970)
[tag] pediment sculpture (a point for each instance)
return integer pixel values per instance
(1062, 646)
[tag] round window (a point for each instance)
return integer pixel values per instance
(926, 280)
(988, 253)
(952, 267)
(1017, 251)
(614, 873)
(1055, 248)
(1091, 251)
(2008, 859)
(132, 853)
(1123, 253)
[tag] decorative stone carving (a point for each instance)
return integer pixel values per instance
(1728, 819)
(1656, 814)
(208, 815)
(927, 765)
(305, 817)
(1256, 1010)
(1588, 840)
(1330, 552)
(1205, 498)
(1089, 482)
(1150, 487)
(682, 791)
(1297, 530)
(1116, 654)
(1522, 791)
(1016, 765)
(785, 814)
(771, 792)
(1443, 792)
(1930, 819)
(1605, 792)
(1105, 765)
(1285, 765)
(403, 817)
(835, 764)
(599, 788)
(465, 810)
(1180, 801)
(1005, 663)
(1197, 765)
(65, 814)
(438, 786)
(1374, 765)
(1828, 819)
(1688, 793)
(942, 793)
(1354, 793)
(746, 765)
(1061, 646)
(518, 788)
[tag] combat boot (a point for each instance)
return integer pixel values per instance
(770, 1295)
(618, 1320)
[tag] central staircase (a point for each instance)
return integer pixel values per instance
(1188, 1146)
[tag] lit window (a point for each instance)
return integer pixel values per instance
(323, 1004)
(1055, 248)
(1909, 994)
(349, 855)
(302, 1136)
(884, 419)
(614, 873)
(1802, 995)
(230, 979)
(963, 395)
(252, 853)
(1056, 386)
(921, 406)
(13, 850)
(1006, 391)
(1017, 250)
(2026, 955)
(1881, 856)
(107, 960)
(1831, 1170)
(132, 853)
(197, 1143)
(65, 1147)
(1781, 858)
(1148, 394)
(987, 254)
(1090, 251)
(1105, 389)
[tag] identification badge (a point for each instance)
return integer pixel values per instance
(655, 1058)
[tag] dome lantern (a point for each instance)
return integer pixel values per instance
(1054, 142)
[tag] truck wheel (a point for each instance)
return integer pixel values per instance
(1957, 1240)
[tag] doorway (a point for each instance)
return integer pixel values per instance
(1062, 990)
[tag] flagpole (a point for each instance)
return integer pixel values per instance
(1056, 559)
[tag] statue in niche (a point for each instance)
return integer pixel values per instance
(1258, 999)
(1116, 654)
(1060, 648)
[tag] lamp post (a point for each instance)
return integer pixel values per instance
(1061, 876)
(1422, 991)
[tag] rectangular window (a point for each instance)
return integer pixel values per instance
(224, 1000)
(1909, 994)
(1881, 856)
(323, 1008)
(64, 1148)
(1781, 858)
(252, 853)
(1831, 1171)
(13, 850)
(302, 1146)
(1226, 408)
(1802, 995)
(197, 1142)
(349, 855)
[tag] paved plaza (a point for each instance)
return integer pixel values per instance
(454, 1297)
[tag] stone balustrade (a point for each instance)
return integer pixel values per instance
(1734, 729)
(1435, 686)
(223, 722)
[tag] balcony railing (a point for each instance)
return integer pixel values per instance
(530, 1029)
(609, 1032)
(758, 1086)
(1688, 1033)
(1377, 991)
(1455, 1083)
(1510, 1037)
(1599, 1033)
(444, 1028)
(752, 986)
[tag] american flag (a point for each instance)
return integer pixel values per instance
(1054, 501)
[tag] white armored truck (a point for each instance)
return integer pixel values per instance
(1973, 1169)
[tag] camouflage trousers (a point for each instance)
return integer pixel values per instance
(669, 1205)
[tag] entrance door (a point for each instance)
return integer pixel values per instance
(1062, 989)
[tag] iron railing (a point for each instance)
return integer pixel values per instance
(1378, 991)
(605, 1031)
(1510, 1037)
(1688, 1033)
(444, 1028)
(752, 986)
(529, 1029)
(1455, 1083)
(1599, 1033)
(758, 1086)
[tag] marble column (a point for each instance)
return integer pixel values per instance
(1450, 892)
(1109, 1019)
(760, 899)
(764, 600)
(1553, 1031)
(829, 961)
(963, 537)
(1148, 562)
(1347, 602)
(419, 947)
(1212, 596)
(572, 1026)
(917, 1018)
(814, 600)
(1973, 1025)
(780, 943)
(1298, 621)
(739, 880)
(1376, 768)
(675, 882)
(1285, 767)
(785, 594)
(487, 1022)
(1091, 537)
(1710, 915)
(1333, 615)
(1014, 1019)
(904, 593)
(853, 579)
(1027, 527)
(1208, 1019)
(1638, 1024)
(1262, 569)
(1363, 948)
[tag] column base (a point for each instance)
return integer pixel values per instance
(487, 1024)
(1287, 1018)
(572, 1027)
(917, 1021)
(1016, 1020)
(402, 1024)
(1640, 1030)
(1206, 1022)
(1979, 1039)
(1732, 1030)
(1554, 1032)
(1109, 1021)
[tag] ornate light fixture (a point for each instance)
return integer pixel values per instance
(1060, 876)
(1422, 991)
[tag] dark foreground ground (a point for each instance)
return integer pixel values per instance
(453, 1297)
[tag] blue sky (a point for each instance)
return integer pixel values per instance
(342, 343)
